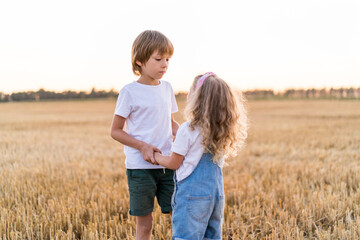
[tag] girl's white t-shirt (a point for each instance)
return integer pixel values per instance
(147, 109)
(188, 144)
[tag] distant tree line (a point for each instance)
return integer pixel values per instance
(43, 95)
(332, 93)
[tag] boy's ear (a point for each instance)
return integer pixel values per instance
(139, 63)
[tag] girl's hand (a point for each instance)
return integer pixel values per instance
(172, 162)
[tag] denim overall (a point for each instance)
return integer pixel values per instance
(198, 203)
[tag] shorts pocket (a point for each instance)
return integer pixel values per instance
(199, 207)
(137, 173)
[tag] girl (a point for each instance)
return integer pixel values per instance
(216, 128)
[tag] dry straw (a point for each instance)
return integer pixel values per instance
(62, 177)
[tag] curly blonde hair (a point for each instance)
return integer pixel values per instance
(220, 115)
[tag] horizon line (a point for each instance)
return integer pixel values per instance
(183, 91)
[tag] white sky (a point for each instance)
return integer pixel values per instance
(61, 45)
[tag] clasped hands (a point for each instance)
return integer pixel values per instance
(148, 152)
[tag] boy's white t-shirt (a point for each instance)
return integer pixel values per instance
(188, 144)
(147, 109)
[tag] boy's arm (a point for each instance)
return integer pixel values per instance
(172, 162)
(174, 125)
(117, 133)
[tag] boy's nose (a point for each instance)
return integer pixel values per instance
(164, 63)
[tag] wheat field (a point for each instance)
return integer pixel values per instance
(63, 177)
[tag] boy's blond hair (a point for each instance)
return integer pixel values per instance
(144, 46)
(219, 114)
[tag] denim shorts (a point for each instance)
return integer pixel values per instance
(145, 185)
(198, 203)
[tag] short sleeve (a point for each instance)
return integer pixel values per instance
(174, 107)
(123, 104)
(181, 144)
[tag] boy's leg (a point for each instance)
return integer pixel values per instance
(142, 191)
(165, 189)
(144, 227)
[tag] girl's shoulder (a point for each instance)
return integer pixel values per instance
(184, 126)
(185, 129)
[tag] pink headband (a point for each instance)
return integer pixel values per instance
(203, 78)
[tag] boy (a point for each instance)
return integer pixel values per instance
(147, 106)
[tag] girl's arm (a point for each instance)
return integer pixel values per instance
(174, 125)
(172, 162)
(117, 133)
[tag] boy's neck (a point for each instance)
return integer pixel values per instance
(148, 81)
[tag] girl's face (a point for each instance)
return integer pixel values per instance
(155, 67)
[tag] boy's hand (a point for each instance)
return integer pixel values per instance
(156, 156)
(148, 151)
(155, 162)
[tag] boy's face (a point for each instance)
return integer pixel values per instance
(155, 67)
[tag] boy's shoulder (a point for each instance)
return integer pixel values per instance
(165, 82)
(167, 85)
(136, 85)
(129, 85)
